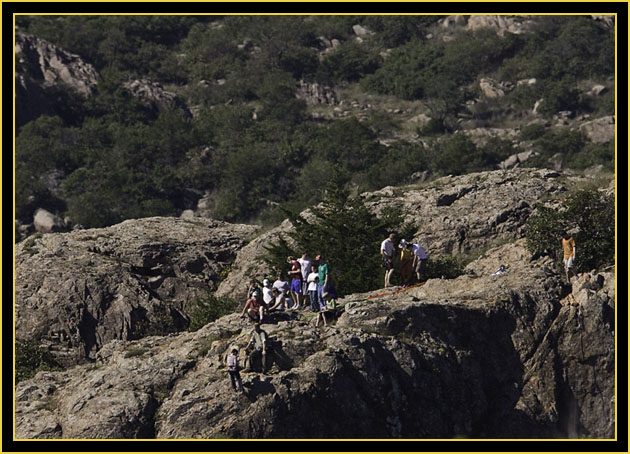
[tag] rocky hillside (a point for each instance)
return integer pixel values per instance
(508, 356)
(157, 115)
(454, 214)
(77, 291)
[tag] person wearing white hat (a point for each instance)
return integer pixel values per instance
(267, 296)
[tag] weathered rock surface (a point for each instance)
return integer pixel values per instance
(152, 93)
(40, 65)
(52, 65)
(478, 356)
(46, 222)
(502, 24)
(314, 93)
(77, 291)
(455, 215)
(601, 130)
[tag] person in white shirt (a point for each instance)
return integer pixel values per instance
(305, 264)
(312, 280)
(387, 254)
(419, 260)
(267, 297)
(281, 284)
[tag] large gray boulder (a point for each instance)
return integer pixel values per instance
(76, 291)
(153, 94)
(52, 65)
(600, 130)
(41, 65)
(46, 222)
(479, 356)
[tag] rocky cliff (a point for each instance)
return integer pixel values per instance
(515, 355)
(40, 64)
(77, 291)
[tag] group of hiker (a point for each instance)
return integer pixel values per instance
(310, 280)
(413, 258)
(309, 286)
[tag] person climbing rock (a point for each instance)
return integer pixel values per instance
(257, 340)
(233, 370)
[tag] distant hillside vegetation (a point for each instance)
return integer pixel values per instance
(238, 117)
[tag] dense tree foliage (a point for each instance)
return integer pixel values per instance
(252, 145)
(588, 213)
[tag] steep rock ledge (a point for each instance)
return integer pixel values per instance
(477, 356)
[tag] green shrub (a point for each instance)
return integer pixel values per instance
(30, 358)
(446, 267)
(592, 214)
(544, 228)
(205, 310)
(135, 351)
(350, 62)
(532, 132)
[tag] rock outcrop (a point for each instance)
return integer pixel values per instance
(479, 356)
(314, 93)
(601, 130)
(502, 24)
(454, 214)
(40, 65)
(76, 291)
(153, 94)
(52, 65)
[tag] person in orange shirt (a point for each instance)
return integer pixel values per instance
(568, 246)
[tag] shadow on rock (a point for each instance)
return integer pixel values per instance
(257, 387)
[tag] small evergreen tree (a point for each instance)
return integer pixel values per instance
(346, 233)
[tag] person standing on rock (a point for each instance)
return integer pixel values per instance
(419, 260)
(233, 370)
(312, 280)
(296, 282)
(387, 254)
(406, 263)
(257, 340)
(254, 307)
(568, 247)
(323, 277)
(305, 265)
